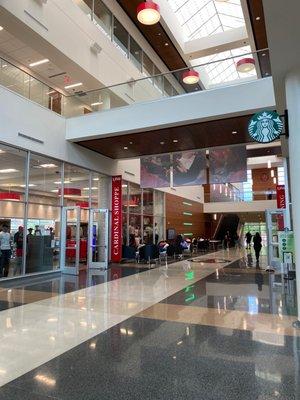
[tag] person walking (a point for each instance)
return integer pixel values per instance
(257, 245)
(248, 240)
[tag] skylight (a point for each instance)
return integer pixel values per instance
(224, 71)
(201, 18)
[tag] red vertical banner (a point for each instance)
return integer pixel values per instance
(116, 219)
(280, 196)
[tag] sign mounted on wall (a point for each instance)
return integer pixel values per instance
(116, 219)
(265, 126)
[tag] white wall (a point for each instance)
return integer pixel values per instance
(17, 114)
(211, 104)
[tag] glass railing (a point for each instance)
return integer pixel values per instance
(229, 193)
(145, 89)
(26, 85)
(212, 75)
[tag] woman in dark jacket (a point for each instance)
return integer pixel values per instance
(257, 245)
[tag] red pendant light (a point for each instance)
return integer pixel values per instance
(10, 196)
(245, 65)
(70, 192)
(190, 77)
(148, 13)
(82, 204)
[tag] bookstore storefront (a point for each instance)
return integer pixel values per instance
(36, 192)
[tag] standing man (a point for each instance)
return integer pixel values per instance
(5, 247)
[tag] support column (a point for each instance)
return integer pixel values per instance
(292, 86)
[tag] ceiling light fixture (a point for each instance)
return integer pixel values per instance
(48, 166)
(269, 164)
(7, 170)
(175, 141)
(148, 13)
(59, 182)
(234, 132)
(1, 28)
(190, 77)
(40, 62)
(97, 103)
(272, 173)
(73, 85)
(125, 148)
(245, 65)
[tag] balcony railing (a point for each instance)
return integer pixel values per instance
(145, 89)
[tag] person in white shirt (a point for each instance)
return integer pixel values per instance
(5, 247)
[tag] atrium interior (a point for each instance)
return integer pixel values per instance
(149, 216)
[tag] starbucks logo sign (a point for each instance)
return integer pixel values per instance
(265, 126)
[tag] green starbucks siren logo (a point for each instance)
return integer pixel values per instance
(265, 126)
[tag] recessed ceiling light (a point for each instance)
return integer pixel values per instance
(40, 62)
(97, 103)
(162, 142)
(257, 18)
(130, 142)
(125, 148)
(59, 182)
(73, 85)
(175, 141)
(1, 28)
(263, 55)
(166, 44)
(30, 185)
(7, 170)
(234, 132)
(48, 166)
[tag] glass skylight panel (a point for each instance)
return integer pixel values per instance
(225, 70)
(200, 18)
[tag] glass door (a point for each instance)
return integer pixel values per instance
(70, 240)
(98, 238)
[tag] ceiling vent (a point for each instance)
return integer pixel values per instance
(96, 48)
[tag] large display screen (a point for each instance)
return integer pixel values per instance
(155, 171)
(189, 168)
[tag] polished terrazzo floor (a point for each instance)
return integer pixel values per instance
(217, 328)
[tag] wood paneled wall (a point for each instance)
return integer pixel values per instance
(175, 218)
(263, 182)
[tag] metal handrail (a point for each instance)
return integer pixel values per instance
(134, 81)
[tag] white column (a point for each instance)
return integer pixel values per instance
(292, 86)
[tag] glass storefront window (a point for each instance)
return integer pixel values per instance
(120, 37)
(135, 53)
(76, 186)
(12, 173)
(44, 180)
(43, 238)
(135, 199)
(102, 17)
(148, 201)
(12, 225)
(135, 229)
